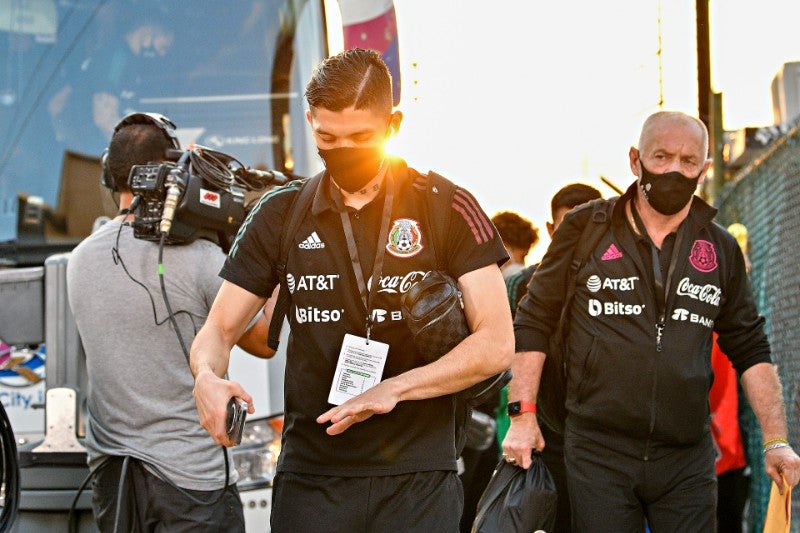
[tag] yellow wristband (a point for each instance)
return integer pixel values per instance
(773, 441)
(775, 446)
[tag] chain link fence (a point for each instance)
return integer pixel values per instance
(765, 197)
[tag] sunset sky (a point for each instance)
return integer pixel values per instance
(514, 99)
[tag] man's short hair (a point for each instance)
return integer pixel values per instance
(572, 195)
(515, 230)
(135, 144)
(355, 78)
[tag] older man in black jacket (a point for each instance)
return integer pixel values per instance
(664, 276)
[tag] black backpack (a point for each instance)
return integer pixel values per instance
(297, 212)
(552, 395)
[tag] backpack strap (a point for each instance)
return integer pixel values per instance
(295, 215)
(439, 198)
(593, 231)
(552, 388)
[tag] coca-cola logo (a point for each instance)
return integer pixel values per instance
(399, 284)
(707, 293)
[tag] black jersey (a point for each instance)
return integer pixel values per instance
(326, 305)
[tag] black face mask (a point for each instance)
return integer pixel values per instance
(667, 193)
(352, 168)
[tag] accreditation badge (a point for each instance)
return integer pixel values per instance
(360, 367)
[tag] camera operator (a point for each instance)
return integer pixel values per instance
(154, 467)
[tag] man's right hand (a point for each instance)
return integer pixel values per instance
(523, 436)
(211, 395)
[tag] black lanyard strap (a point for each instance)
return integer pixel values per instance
(658, 276)
(377, 265)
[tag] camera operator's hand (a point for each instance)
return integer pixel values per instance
(211, 395)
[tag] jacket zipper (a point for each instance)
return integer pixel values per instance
(659, 332)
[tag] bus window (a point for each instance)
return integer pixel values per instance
(229, 74)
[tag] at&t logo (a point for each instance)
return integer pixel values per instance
(595, 283)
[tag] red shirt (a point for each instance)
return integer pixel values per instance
(724, 402)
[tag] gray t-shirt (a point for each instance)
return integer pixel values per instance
(140, 399)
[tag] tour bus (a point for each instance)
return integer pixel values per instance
(231, 75)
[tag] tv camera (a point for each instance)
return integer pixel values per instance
(198, 192)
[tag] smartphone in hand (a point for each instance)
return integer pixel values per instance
(237, 412)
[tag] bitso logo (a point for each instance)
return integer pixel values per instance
(598, 308)
(313, 314)
(312, 242)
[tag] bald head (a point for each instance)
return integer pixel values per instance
(661, 120)
(672, 159)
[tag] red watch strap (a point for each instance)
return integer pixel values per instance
(527, 407)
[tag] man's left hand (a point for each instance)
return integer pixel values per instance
(378, 400)
(783, 461)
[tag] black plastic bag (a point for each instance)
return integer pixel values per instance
(518, 500)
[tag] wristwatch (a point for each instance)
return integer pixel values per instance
(517, 408)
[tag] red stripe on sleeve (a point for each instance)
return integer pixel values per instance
(465, 204)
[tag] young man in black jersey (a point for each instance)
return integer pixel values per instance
(363, 450)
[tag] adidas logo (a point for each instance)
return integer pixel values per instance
(612, 253)
(312, 242)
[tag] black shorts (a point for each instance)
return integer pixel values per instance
(422, 501)
(151, 504)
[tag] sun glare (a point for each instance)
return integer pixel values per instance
(521, 98)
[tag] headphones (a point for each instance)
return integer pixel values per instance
(152, 119)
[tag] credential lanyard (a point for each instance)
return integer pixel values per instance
(377, 265)
(658, 276)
